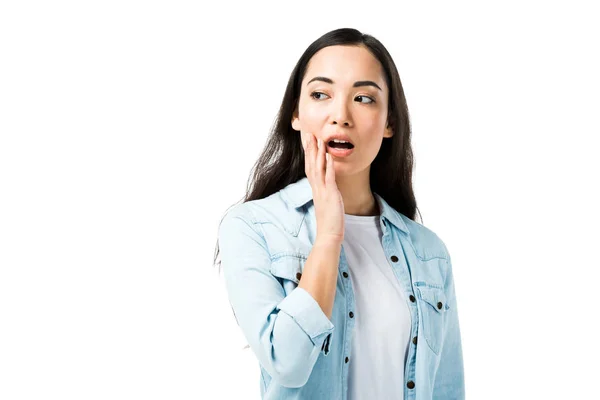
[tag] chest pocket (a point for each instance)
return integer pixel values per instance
(432, 301)
(289, 271)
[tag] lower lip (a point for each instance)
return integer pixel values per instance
(336, 152)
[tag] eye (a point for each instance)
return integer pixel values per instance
(316, 93)
(371, 100)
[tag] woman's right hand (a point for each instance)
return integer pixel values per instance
(327, 199)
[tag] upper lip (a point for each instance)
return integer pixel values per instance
(338, 136)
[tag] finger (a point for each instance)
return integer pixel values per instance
(304, 139)
(320, 162)
(309, 156)
(330, 172)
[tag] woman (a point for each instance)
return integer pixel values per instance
(339, 292)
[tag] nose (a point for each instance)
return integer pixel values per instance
(339, 113)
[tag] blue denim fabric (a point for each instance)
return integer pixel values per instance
(304, 355)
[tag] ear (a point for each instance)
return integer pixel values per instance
(295, 121)
(388, 132)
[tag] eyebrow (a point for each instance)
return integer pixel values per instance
(356, 84)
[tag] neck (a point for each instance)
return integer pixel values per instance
(357, 195)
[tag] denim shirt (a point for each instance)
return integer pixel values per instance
(302, 354)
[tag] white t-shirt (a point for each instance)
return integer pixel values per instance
(382, 317)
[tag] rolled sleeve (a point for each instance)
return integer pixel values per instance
(309, 316)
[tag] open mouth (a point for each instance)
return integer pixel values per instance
(340, 150)
(340, 145)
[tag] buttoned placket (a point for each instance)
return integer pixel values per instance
(402, 272)
(406, 283)
(350, 322)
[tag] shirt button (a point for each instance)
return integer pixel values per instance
(394, 259)
(351, 314)
(345, 274)
(415, 340)
(439, 304)
(412, 298)
(347, 359)
(298, 275)
(410, 385)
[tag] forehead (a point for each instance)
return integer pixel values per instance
(345, 65)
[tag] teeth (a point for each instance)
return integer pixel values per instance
(340, 141)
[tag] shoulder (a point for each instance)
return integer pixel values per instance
(263, 210)
(273, 209)
(271, 223)
(427, 244)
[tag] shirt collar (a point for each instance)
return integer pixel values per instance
(300, 192)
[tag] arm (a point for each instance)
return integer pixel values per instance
(286, 333)
(319, 277)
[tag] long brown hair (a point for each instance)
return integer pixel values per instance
(282, 159)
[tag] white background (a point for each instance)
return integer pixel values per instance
(129, 128)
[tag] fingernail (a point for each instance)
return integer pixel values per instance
(319, 143)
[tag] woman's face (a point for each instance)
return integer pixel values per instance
(360, 112)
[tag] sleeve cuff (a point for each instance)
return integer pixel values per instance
(309, 316)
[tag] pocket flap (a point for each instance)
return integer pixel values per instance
(288, 267)
(435, 297)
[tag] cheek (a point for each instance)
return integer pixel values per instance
(313, 119)
(371, 148)
(312, 114)
(371, 140)
(375, 122)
